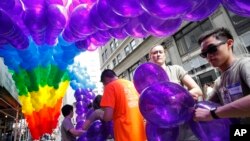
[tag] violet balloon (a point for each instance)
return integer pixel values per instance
(203, 9)
(166, 104)
(147, 74)
(10, 31)
(118, 33)
(83, 27)
(57, 19)
(96, 19)
(134, 28)
(205, 131)
(83, 44)
(126, 8)
(239, 7)
(110, 18)
(167, 8)
(155, 133)
(7, 4)
(159, 27)
(35, 20)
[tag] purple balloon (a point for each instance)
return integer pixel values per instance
(57, 19)
(100, 38)
(118, 33)
(202, 10)
(110, 18)
(126, 8)
(35, 20)
(80, 117)
(7, 4)
(134, 28)
(79, 124)
(10, 31)
(83, 27)
(68, 36)
(97, 131)
(166, 104)
(34, 3)
(167, 8)
(155, 133)
(96, 19)
(205, 130)
(147, 74)
(159, 27)
(239, 7)
(83, 44)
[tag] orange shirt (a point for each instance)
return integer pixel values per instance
(122, 96)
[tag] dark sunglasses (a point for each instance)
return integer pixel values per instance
(211, 49)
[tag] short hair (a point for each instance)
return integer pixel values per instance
(222, 34)
(66, 109)
(108, 73)
(97, 101)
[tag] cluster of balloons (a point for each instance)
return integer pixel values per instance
(166, 105)
(80, 78)
(98, 131)
(83, 86)
(41, 79)
(91, 23)
(84, 98)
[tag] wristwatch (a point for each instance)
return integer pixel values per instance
(213, 114)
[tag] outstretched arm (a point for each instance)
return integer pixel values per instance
(97, 114)
(76, 132)
(192, 86)
(239, 108)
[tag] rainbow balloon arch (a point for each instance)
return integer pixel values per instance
(40, 38)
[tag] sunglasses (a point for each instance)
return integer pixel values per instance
(211, 49)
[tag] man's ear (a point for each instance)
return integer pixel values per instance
(230, 43)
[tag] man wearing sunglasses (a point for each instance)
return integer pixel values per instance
(232, 88)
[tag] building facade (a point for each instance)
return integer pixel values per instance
(124, 56)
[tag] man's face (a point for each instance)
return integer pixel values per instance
(157, 55)
(215, 51)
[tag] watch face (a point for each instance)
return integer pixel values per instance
(213, 108)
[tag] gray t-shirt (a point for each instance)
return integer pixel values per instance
(175, 73)
(233, 84)
(65, 127)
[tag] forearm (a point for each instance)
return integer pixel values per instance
(195, 92)
(238, 108)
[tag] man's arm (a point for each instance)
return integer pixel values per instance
(108, 114)
(192, 86)
(239, 108)
(76, 132)
(97, 114)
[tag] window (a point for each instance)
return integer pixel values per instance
(132, 69)
(112, 46)
(116, 42)
(133, 44)
(127, 49)
(119, 58)
(103, 57)
(114, 62)
(106, 54)
(187, 38)
(241, 24)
